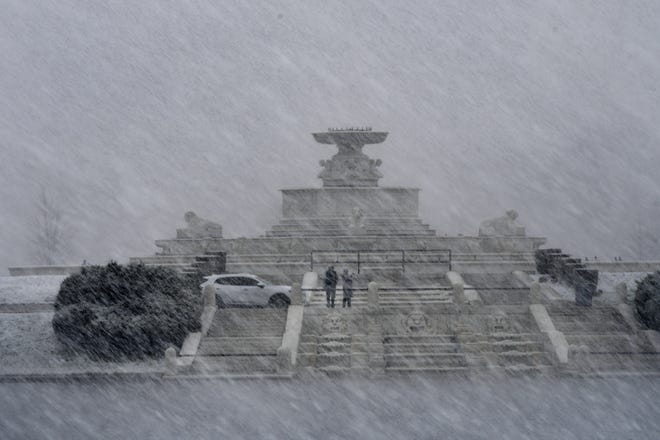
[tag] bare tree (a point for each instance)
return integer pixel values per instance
(49, 237)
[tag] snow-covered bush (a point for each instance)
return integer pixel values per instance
(647, 300)
(124, 312)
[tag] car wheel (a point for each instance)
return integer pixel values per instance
(278, 301)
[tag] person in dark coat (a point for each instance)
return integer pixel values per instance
(330, 284)
(347, 280)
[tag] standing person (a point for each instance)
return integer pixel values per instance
(330, 284)
(347, 280)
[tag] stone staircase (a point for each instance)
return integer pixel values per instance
(334, 353)
(405, 298)
(423, 353)
(390, 297)
(241, 342)
(177, 262)
(601, 340)
(207, 263)
(510, 352)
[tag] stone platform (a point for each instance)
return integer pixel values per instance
(351, 213)
(439, 329)
(460, 304)
(286, 259)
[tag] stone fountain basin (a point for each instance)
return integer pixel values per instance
(351, 137)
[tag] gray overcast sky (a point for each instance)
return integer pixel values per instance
(131, 113)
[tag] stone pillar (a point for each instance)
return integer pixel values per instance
(545, 324)
(310, 283)
(457, 284)
(208, 293)
(372, 294)
(170, 360)
(375, 347)
(284, 360)
(210, 307)
(535, 296)
(296, 294)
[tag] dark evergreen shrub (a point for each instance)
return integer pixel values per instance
(647, 300)
(119, 312)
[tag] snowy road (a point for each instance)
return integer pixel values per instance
(621, 408)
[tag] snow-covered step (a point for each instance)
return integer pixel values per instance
(225, 346)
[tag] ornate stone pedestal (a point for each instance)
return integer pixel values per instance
(351, 218)
(350, 202)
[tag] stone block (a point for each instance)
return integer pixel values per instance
(545, 324)
(535, 296)
(191, 344)
(296, 294)
(458, 285)
(309, 283)
(208, 293)
(372, 294)
(560, 345)
(170, 360)
(284, 359)
(206, 319)
(292, 331)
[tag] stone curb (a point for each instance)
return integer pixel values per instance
(80, 377)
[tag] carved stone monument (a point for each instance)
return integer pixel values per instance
(199, 227)
(350, 213)
(350, 166)
(350, 201)
(502, 226)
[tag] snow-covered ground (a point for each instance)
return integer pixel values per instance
(30, 289)
(27, 342)
(606, 283)
(403, 408)
(28, 346)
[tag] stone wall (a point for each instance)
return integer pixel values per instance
(18, 271)
(340, 202)
(291, 245)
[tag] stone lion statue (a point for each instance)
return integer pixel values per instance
(199, 227)
(505, 225)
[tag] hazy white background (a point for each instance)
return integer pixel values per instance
(131, 113)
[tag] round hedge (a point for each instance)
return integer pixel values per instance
(647, 300)
(119, 312)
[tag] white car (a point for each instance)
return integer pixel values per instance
(244, 289)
